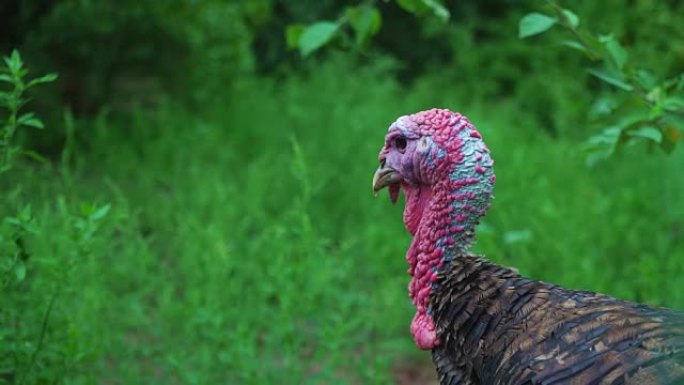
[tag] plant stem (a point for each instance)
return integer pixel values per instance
(43, 330)
(593, 55)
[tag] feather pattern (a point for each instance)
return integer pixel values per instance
(501, 328)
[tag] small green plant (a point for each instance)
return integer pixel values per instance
(13, 266)
(28, 353)
(644, 108)
(12, 99)
(27, 349)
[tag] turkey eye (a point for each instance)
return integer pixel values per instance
(400, 143)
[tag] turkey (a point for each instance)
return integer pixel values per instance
(484, 323)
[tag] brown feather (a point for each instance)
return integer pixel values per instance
(500, 328)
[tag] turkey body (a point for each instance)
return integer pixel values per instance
(485, 324)
(497, 327)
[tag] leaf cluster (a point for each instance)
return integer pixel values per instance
(643, 108)
(28, 277)
(356, 25)
(28, 352)
(12, 99)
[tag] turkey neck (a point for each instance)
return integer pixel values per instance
(445, 232)
(448, 212)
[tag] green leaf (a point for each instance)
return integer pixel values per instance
(30, 120)
(633, 120)
(534, 23)
(423, 7)
(12, 221)
(594, 47)
(14, 63)
(43, 79)
(603, 106)
(365, 20)
(674, 103)
(596, 155)
(618, 55)
(25, 214)
(293, 33)
(646, 78)
(657, 110)
(611, 77)
(575, 45)
(34, 155)
(6, 78)
(416, 7)
(438, 10)
(100, 213)
(20, 271)
(647, 132)
(608, 136)
(316, 35)
(571, 17)
(602, 146)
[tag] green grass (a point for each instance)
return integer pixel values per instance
(244, 245)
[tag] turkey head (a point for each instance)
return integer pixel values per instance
(440, 162)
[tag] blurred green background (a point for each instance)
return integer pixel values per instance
(198, 207)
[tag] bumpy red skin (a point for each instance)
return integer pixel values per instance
(444, 161)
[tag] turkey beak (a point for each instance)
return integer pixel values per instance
(386, 176)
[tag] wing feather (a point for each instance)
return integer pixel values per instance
(500, 328)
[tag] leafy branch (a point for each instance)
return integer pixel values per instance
(358, 23)
(652, 109)
(13, 73)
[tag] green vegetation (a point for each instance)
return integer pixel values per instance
(652, 111)
(226, 233)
